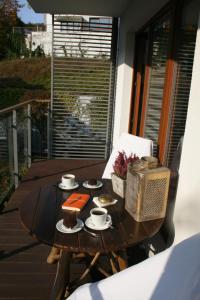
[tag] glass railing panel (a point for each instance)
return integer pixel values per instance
(22, 141)
(39, 134)
(24, 135)
(6, 156)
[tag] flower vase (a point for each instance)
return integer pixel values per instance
(119, 185)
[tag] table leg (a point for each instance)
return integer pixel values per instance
(77, 281)
(113, 263)
(62, 276)
(102, 271)
(53, 256)
(92, 263)
(121, 257)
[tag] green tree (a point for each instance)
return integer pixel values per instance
(8, 20)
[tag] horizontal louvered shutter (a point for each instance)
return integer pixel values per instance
(159, 52)
(185, 56)
(83, 89)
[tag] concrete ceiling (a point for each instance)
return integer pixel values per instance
(113, 8)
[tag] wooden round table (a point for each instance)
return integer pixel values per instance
(41, 211)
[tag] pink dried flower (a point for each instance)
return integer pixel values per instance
(121, 163)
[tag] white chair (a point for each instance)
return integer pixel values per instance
(171, 275)
(130, 144)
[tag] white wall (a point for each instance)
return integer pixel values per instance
(43, 39)
(187, 209)
(48, 22)
(124, 83)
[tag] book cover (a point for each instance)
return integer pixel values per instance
(76, 201)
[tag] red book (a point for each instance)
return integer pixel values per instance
(76, 201)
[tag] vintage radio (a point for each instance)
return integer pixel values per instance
(147, 193)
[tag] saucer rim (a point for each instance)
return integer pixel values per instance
(62, 187)
(97, 186)
(62, 230)
(106, 226)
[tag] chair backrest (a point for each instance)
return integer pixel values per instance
(130, 144)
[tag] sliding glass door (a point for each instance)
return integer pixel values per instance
(162, 77)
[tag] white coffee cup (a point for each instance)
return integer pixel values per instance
(98, 216)
(68, 180)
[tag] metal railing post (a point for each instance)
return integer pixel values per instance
(29, 134)
(49, 131)
(10, 148)
(50, 107)
(15, 149)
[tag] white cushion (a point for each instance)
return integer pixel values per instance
(130, 144)
(171, 275)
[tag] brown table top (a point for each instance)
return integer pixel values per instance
(41, 211)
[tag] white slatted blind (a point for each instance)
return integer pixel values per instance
(83, 87)
(185, 58)
(160, 43)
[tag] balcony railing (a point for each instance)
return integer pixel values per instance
(24, 136)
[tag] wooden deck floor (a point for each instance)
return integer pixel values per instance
(24, 273)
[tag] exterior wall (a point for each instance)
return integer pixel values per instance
(43, 39)
(187, 209)
(48, 22)
(124, 83)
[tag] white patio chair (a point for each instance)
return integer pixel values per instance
(171, 275)
(130, 144)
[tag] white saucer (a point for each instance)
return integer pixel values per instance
(60, 227)
(63, 187)
(91, 225)
(89, 186)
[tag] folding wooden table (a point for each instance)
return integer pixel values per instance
(41, 211)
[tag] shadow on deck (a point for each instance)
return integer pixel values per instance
(24, 273)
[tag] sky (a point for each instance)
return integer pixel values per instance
(27, 14)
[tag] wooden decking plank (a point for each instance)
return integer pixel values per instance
(28, 290)
(26, 278)
(24, 272)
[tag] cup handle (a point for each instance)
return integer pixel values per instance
(108, 218)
